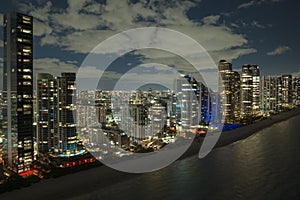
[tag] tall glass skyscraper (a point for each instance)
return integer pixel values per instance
(66, 119)
(56, 127)
(46, 97)
(18, 91)
(250, 90)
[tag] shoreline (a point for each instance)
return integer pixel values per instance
(241, 133)
(87, 181)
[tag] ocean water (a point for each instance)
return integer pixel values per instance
(266, 165)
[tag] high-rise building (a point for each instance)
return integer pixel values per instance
(188, 96)
(56, 126)
(296, 90)
(287, 86)
(250, 90)
(66, 114)
(229, 89)
(269, 93)
(46, 98)
(18, 91)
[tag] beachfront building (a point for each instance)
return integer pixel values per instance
(250, 90)
(296, 90)
(56, 127)
(287, 93)
(279, 92)
(46, 104)
(269, 93)
(66, 114)
(229, 89)
(18, 130)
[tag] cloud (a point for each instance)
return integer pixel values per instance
(246, 5)
(86, 23)
(212, 19)
(41, 28)
(279, 50)
(53, 66)
(258, 25)
(256, 2)
(231, 54)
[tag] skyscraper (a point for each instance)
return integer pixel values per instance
(187, 91)
(229, 89)
(269, 93)
(18, 91)
(250, 90)
(56, 126)
(66, 119)
(296, 90)
(287, 87)
(46, 97)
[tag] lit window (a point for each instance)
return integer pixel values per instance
(26, 76)
(26, 31)
(27, 50)
(26, 83)
(26, 18)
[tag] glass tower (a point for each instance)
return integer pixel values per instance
(18, 92)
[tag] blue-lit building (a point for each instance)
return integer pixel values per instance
(194, 101)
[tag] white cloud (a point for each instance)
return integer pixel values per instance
(41, 28)
(212, 19)
(279, 50)
(246, 5)
(86, 23)
(231, 54)
(53, 66)
(256, 2)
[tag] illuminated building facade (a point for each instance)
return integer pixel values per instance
(250, 90)
(18, 92)
(269, 93)
(287, 93)
(66, 115)
(46, 98)
(296, 90)
(229, 89)
(56, 127)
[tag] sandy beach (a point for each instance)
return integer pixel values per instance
(77, 184)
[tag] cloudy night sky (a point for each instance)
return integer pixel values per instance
(263, 32)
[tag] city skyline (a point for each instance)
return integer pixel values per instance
(228, 32)
(49, 127)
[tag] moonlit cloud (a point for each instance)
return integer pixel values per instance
(212, 19)
(256, 2)
(279, 50)
(53, 66)
(86, 23)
